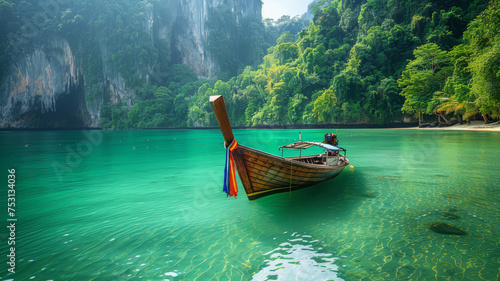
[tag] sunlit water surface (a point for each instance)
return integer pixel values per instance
(132, 205)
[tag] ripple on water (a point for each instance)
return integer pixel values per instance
(298, 259)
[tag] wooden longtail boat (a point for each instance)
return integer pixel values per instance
(264, 174)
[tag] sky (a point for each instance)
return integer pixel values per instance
(276, 8)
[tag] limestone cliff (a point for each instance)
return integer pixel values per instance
(47, 85)
(45, 82)
(183, 27)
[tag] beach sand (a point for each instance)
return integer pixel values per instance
(472, 126)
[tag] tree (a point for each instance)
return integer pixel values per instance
(296, 107)
(286, 37)
(423, 76)
(286, 52)
(323, 106)
(456, 96)
(483, 35)
(486, 81)
(278, 100)
(347, 86)
(384, 103)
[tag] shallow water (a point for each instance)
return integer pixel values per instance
(132, 205)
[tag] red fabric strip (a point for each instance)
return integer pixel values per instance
(232, 175)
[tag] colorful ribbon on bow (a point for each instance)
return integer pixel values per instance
(230, 186)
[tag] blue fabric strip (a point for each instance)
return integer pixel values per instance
(225, 188)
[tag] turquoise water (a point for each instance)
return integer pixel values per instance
(148, 205)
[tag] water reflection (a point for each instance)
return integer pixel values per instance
(298, 259)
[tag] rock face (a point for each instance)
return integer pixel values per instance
(46, 86)
(46, 82)
(183, 27)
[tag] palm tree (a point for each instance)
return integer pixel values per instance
(464, 109)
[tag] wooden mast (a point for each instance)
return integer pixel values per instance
(219, 107)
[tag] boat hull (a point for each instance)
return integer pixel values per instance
(264, 174)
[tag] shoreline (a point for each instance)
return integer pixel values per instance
(475, 125)
(478, 126)
(290, 126)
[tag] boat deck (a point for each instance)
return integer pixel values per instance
(321, 160)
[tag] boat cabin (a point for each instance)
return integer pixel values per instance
(330, 157)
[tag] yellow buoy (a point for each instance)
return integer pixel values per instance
(351, 168)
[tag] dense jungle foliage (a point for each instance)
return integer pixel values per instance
(357, 62)
(371, 62)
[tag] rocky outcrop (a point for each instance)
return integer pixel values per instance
(309, 14)
(46, 81)
(183, 27)
(46, 89)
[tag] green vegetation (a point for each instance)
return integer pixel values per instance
(465, 80)
(9, 23)
(358, 62)
(372, 62)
